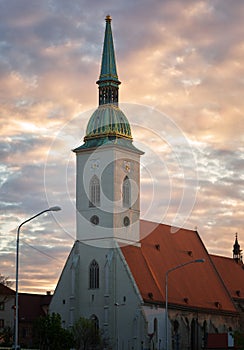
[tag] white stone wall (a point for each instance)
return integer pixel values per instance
(110, 165)
(116, 303)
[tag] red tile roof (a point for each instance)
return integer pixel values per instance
(232, 274)
(31, 306)
(4, 290)
(197, 285)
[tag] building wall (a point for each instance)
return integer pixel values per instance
(189, 329)
(111, 165)
(7, 310)
(186, 329)
(239, 303)
(116, 303)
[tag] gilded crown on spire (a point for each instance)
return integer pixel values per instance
(108, 18)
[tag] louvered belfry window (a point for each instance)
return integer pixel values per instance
(94, 192)
(126, 192)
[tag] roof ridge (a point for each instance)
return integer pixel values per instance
(216, 271)
(7, 289)
(168, 225)
(153, 276)
(221, 256)
(220, 278)
(128, 271)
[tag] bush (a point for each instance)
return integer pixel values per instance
(49, 334)
(86, 335)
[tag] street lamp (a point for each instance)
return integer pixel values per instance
(117, 305)
(166, 293)
(56, 208)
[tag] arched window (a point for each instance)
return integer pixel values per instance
(175, 336)
(126, 192)
(95, 322)
(94, 275)
(155, 328)
(205, 334)
(94, 192)
(194, 335)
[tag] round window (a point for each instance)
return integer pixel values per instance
(126, 221)
(94, 220)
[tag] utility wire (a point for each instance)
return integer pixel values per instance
(41, 252)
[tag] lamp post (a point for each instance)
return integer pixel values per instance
(166, 293)
(117, 305)
(56, 208)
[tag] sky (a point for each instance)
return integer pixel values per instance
(182, 73)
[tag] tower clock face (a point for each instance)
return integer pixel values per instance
(126, 221)
(127, 166)
(95, 163)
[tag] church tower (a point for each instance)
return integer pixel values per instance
(237, 251)
(108, 166)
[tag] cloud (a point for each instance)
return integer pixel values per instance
(181, 70)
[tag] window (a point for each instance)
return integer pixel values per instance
(126, 221)
(2, 305)
(94, 220)
(95, 322)
(1, 323)
(94, 192)
(126, 192)
(205, 333)
(194, 334)
(155, 328)
(94, 275)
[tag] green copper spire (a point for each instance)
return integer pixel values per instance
(108, 125)
(108, 81)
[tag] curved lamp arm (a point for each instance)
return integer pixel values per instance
(55, 208)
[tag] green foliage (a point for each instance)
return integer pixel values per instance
(85, 335)
(5, 281)
(239, 340)
(6, 336)
(50, 335)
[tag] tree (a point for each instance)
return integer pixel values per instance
(5, 281)
(6, 336)
(50, 335)
(239, 340)
(6, 333)
(5, 291)
(86, 335)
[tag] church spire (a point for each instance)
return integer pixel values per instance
(108, 81)
(237, 251)
(108, 124)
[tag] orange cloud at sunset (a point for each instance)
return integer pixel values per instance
(181, 68)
